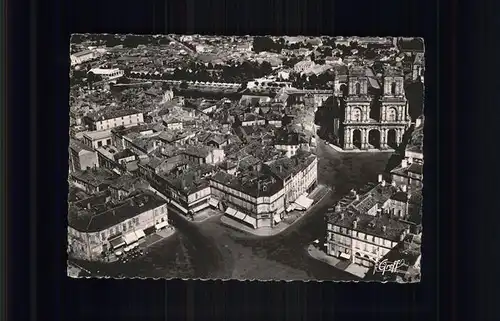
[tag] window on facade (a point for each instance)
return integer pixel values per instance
(393, 88)
(391, 114)
(358, 88)
(103, 236)
(356, 114)
(99, 144)
(129, 224)
(124, 227)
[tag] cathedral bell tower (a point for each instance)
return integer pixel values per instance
(357, 110)
(394, 110)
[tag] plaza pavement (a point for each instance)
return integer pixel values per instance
(344, 265)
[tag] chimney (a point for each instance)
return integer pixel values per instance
(404, 188)
(357, 197)
(338, 208)
(379, 178)
(404, 163)
(383, 183)
(89, 206)
(281, 168)
(393, 183)
(384, 229)
(379, 212)
(355, 224)
(341, 216)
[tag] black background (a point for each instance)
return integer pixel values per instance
(457, 63)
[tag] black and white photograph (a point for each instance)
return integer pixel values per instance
(251, 158)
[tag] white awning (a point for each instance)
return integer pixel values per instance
(118, 253)
(304, 202)
(179, 206)
(130, 238)
(277, 219)
(140, 234)
(250, 220)
(200, 207)
(117, 242)
(161, 225)
(239, 215)
(127, 249)
(291, 207)
(213, 202)
(345, 256)
(230, 211)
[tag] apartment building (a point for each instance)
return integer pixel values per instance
(259, 195)
(98, 227)
(108, 74)
(97, 139)
(113, 118)
(82, 56)
(253, 198)
(365, 227)
(81, 156)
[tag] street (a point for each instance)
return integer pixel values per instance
(210, 250)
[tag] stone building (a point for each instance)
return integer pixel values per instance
(375, 116)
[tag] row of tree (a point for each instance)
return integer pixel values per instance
(321, 81)
(239, 73)
(128, 41)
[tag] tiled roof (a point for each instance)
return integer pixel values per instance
(198, 151)
(286, 167)
(110, 114)
(286, 138)
(191, 179)
(128, 182)
(123, 154)
(154, 162)
(78, 146)
(98, 135)
(124, 131)
(400, 197)
(82, 53)
(98, 220)
(368, 224)
(250, 182)
(415, 168)
(95, 176)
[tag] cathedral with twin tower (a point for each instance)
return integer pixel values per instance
(375, 115)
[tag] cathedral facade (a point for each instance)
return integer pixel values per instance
(374, 121)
